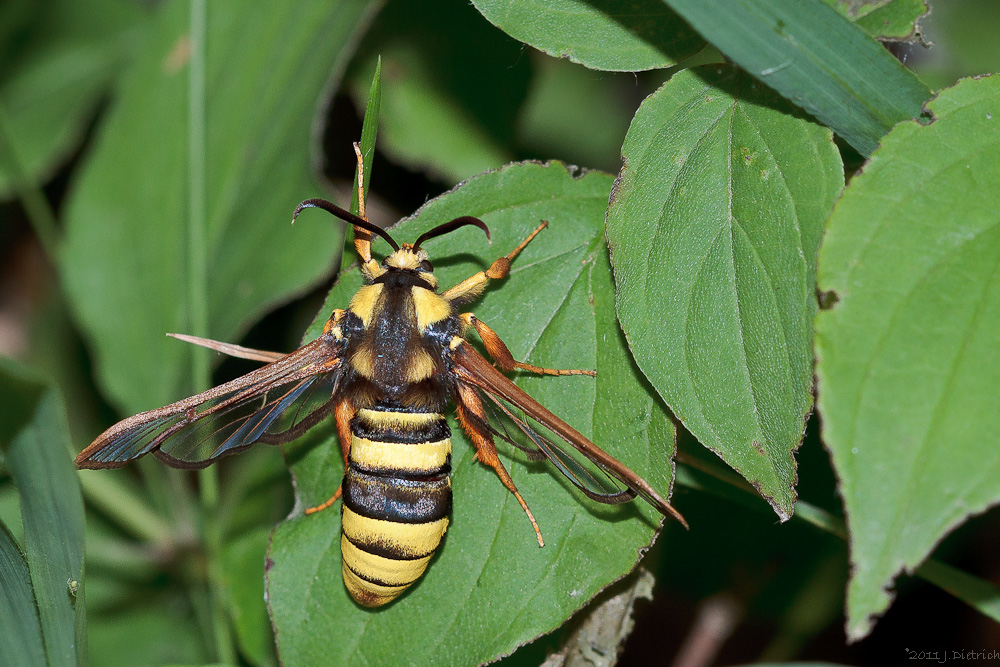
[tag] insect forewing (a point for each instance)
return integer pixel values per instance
(268, 404)
(471, 367)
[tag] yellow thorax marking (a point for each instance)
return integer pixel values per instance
(364, 301)
(419, 366)
(430, 307)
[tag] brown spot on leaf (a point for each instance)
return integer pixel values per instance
(179, 56)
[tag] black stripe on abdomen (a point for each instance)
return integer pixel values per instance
(397, 498)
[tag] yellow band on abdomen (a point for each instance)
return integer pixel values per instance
(384, 571)
(406, 540)
(366, 593)
(421, 457)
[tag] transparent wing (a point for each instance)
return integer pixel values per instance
(592, 480)
(472, 368)
(273, 404)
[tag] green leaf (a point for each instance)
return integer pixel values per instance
(38, 457)
(125, 254)
(369, 133)
(490, 588)
(909, 353)
(815, 58)
(606, 35)
(19, 625)
(714, 228)
(883, 19)
(60, 57)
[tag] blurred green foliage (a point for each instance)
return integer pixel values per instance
(723, 192)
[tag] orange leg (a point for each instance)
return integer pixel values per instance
(471, 415)
(470, 288)
(343, 413)
(502, 356)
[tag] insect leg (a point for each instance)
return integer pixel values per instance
(343, 413)
(501, 354)
(470, 288)
(472, 417)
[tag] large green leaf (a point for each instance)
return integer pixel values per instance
(909, 355)
(714, 228)
(38, 457)
(19, 624)
(490, 588)
(59, 58)
(815, 58)
(600, 34)
(125, 258)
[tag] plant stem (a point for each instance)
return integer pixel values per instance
(129, 510)
(978, 593)
(36, 206)
(198, 303)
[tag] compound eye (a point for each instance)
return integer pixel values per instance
(425, 265)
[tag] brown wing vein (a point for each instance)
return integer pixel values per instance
(471, 367)
(312, 359)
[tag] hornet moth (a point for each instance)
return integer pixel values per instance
(385, 367)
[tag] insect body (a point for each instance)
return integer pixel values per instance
(386, 367)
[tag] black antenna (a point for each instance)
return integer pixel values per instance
(347, 217)
(450, 227)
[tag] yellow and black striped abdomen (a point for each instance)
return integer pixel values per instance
(397, 499)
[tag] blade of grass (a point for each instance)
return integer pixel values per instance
(198, 302)
(19, 624)
(129, 510)
(817, 59)
(979, 594)
(369, 132)
(38, 457)
(36, 206)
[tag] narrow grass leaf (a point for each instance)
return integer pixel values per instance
(815, 58)
(39, 460)
(19, 624)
